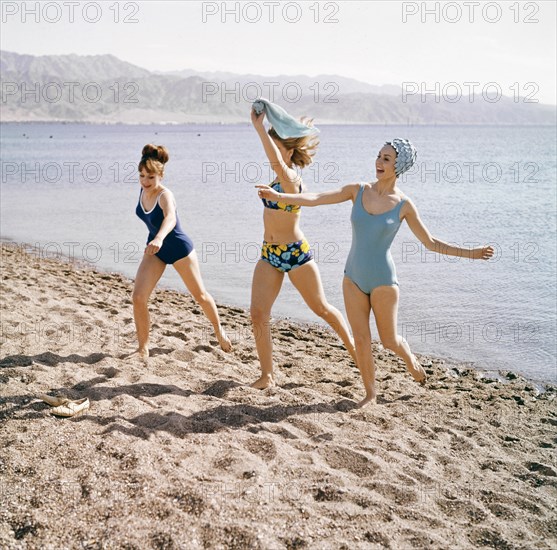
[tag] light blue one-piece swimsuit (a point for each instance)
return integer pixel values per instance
(369, 262)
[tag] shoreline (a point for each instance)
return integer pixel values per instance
(500, 375)
(181, 453)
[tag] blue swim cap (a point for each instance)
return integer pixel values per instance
(405, 155)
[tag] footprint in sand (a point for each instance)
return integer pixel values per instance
(188, 501)
(309, 427)
(183, 355)
(346, 393)
(459, 443)
(224, 462)
(283, 432)
(384, 424)
(377, 538)
(125, 461)
(523, 504)
(427, 432)
(551, 421)
(489, 538)
(323, 437)
(541, 469)
(229, 536)
(261, 446)
(109, 372)
(398, 495)
(183, 326)
(176, 334)
(419, 476)
(342, 458)
(246, 357)
(500, 511)
(327, 493)
(456, 508)
(159, 539)
(203, 347)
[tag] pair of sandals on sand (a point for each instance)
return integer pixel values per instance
(63, 406)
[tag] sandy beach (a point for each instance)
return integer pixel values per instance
(180, 453)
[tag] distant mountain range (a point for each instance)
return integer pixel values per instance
(104, 89)
(346, 85)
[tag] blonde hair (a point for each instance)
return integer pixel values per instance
(304, 147)
(153, 159)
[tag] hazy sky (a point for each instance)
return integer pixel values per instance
(367, 40)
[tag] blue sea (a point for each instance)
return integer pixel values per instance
(73, 189)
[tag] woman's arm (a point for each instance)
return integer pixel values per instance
(168, 205)
(348, 192)
(417, 226)
(287, 176)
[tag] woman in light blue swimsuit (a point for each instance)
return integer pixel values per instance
(370, 281)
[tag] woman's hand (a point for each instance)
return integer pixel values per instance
(257, 119)
(265, 192)
(154, 246)
(483, 253)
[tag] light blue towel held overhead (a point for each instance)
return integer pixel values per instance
(285, 125)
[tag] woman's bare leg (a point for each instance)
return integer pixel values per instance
(358, 309)
(264, 291)
(307, 281)
(149, 272)
(188, 269)
(384, 302)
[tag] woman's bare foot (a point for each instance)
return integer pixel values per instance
(417, 371)
(368, 400)
(264, 381)
(224, 341)
(141, 353)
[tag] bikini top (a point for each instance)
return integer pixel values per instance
(294, 208)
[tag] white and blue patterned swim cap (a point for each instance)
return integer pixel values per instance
(405, 155)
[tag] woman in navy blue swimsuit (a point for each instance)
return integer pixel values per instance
(166, 244)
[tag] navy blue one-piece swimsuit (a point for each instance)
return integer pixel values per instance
(176, 245)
